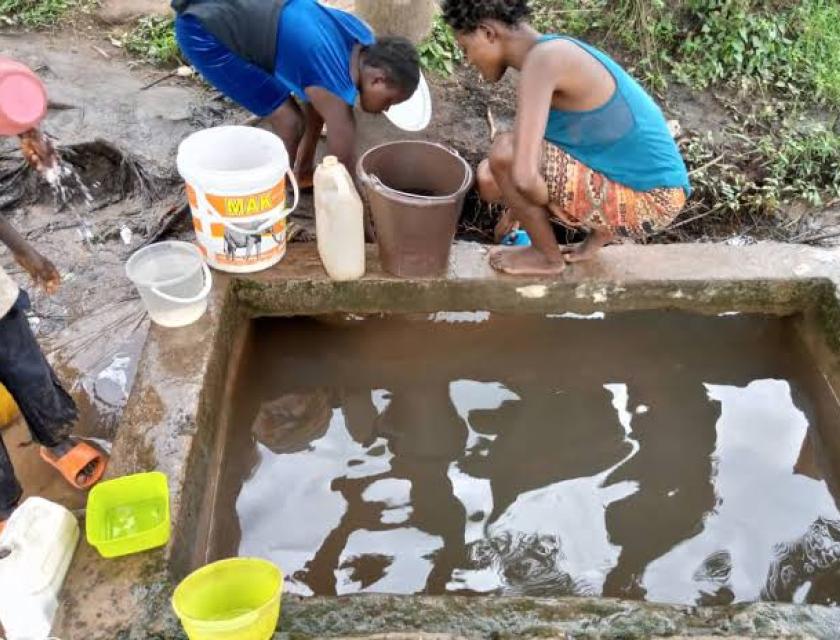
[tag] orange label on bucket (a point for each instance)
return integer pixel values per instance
(191, 197)
(232, 258)
(217, 230)
(252, 205)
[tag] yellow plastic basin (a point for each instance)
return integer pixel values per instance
(128, 515)
(236, 599)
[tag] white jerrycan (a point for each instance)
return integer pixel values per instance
(36, 548)
(339, 221)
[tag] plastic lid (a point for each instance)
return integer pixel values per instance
(330, 161)
(22, 100)
(414, 114)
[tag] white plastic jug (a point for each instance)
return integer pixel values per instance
(36, 548)
(236, 186)
(339, 221)
(173, 281)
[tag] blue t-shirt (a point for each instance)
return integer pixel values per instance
(627, 139)
(315, 46)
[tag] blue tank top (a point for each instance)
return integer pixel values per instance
(315, 46)
(627, 139)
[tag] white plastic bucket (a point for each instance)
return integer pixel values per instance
(173, 281)
(236, 186)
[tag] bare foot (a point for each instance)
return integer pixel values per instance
(587, 249)
(524, 261)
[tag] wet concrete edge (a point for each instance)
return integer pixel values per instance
(174, 411)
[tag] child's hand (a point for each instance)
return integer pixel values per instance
(38, 151)
(43, 272)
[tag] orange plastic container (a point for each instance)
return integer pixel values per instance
(23, 99)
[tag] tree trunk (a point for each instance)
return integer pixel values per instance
(410, 19)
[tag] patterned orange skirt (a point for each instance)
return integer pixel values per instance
(589, 200)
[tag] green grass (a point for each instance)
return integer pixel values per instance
(791, 48)
(39, 13)
(818, 47)
(153, 40)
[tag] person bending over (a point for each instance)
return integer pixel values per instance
(299, 64)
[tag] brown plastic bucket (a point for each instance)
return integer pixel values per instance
(416, 192)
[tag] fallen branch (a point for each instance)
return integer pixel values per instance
(699, 216)
(492, 122)
(707, 165)
(154, 83)
(101, 52)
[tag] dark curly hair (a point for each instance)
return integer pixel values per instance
(465, 15)
(398, 58)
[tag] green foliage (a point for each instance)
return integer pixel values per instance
(153, 39)
(786, 47)
(440, 52)
(38, 13)
(572, 17)
(748, 181)
(733, 43)
(804, 166)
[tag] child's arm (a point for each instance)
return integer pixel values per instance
(305, 161)
(536, 90)
(341, 126)
(43, 272)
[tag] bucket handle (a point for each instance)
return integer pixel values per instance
(373, 181)
(205, 291)
(273, 220)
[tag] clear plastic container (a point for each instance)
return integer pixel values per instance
(36, 548)
(173, 281)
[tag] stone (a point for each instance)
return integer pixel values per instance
(410, 19)
(125, 11)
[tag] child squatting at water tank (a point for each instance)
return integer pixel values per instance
(590, 147)
(47, 408)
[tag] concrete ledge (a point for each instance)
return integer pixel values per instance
(177, 405)
(510, 618)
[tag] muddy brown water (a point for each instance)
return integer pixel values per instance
(658, 456)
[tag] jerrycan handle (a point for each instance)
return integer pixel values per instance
(337, 175)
